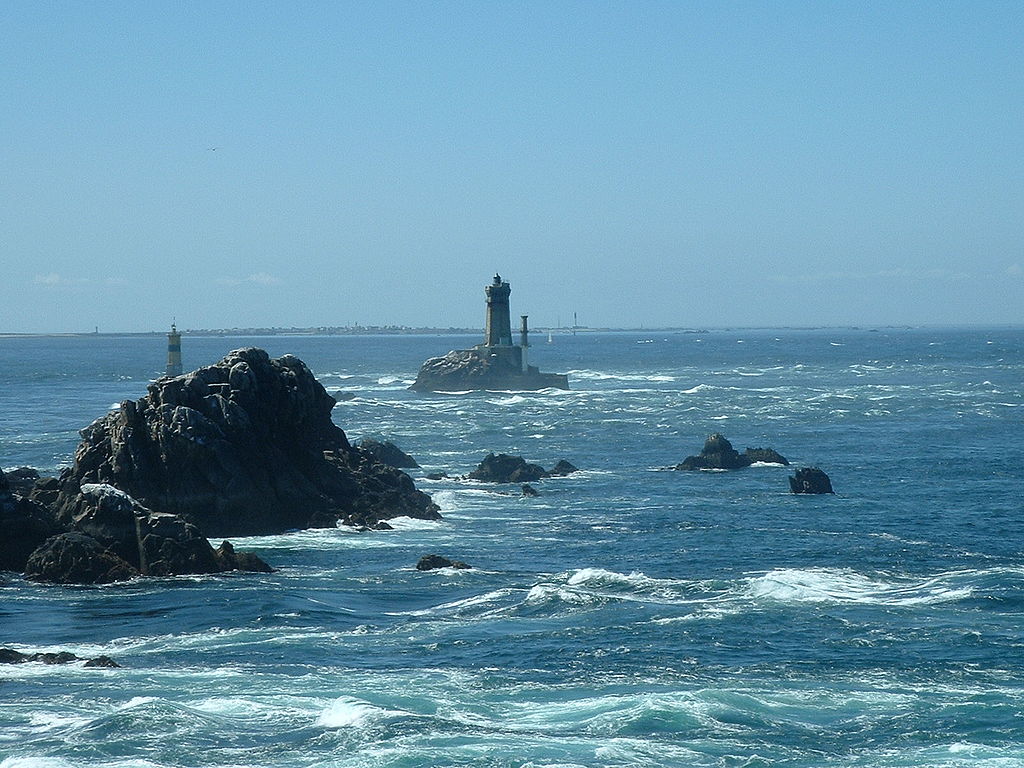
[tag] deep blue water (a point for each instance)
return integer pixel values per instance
(629, 616)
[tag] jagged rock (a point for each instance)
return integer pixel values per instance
(232, 560)
(494, 368)
(432, 562)
(10, 656)
(388, 453)
(437, 476)
(766, 456)
(74, 558)
(245, 446)
(126, 540)
(529, 490)
(562, 468)
(810, 480)
(502, 468)
(24, 525)
(718, 453)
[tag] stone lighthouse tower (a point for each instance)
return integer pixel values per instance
(498, 328)
(174, 352)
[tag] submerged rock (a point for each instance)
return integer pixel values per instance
(433, 562)
(245, 446)
(529, 490)
(810, 480)
(718, 453)
(10, 656)
(388, 453)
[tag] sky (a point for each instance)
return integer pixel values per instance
(642, 164)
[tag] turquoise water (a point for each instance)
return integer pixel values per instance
(629, 616)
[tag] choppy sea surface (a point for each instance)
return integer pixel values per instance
(628, 616)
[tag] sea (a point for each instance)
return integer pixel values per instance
(630, 615)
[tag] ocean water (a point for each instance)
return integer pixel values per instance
(628, 616)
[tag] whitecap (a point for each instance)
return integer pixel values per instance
(346, 712)
(841, 586)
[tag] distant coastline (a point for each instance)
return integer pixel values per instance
(402, 330)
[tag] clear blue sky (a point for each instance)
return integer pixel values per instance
(679, 163)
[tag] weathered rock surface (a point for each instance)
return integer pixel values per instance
(810, 480)
(483, 368)
(245, 446)
(529, 490)
(10, 656)
(433, 562)
(24, 525)
(718, 453)
(75, 558)
(503, 468)
(388, 453)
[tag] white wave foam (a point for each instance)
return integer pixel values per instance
(346, 712)
(695, 390)
(34, 762)
(828, 585)
(414, 524)
(599, 576)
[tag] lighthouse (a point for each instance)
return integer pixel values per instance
(498, 326)
(173, 352)
(524, 342)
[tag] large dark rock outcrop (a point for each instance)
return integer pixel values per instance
(494, 368)
(24, 525)
(810, 480)
(503, 468)
(718, 453)
(388, 453)
(111, 537)
(245, 446)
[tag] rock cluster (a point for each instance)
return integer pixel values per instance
(718, 453)
(503, 468)
(244, 446)
(10, 656)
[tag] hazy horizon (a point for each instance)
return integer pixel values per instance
(659, 164)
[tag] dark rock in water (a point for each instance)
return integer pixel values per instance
(529, 490)
(766, 456)
(502, 468)
(74, 558)
(245, 446)
(437, 476)
(810, 480)
(562, 468)
(432, 562)
(494, 368)
(102, 661)
(717, 453)
(232, 560)
(10, 656)
(388, 453)
(24, 525)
